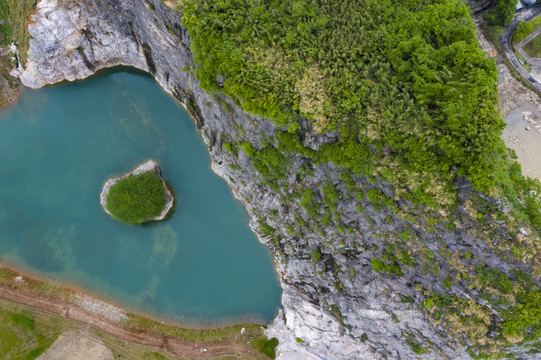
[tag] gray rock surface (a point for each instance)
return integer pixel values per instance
(334, 305)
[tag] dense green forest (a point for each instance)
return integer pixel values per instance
(414, 101)
(406, 74)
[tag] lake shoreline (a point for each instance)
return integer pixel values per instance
(17, 287)
(61, 291)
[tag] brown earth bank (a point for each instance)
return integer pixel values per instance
(236, 341)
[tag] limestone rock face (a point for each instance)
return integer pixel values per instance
(338, 306)
(149, 166)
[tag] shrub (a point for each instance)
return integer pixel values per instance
(268, 347)
(232, 148)
(524, 28)
(265, 228)
(137, 198)
(379, 265)
(429, 303)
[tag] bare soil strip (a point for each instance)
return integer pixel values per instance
(171, 344)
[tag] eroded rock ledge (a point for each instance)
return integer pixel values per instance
(149, 166)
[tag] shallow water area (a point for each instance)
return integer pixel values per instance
(202, 266)
(522, 135)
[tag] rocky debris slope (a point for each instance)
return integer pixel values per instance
(335, 305)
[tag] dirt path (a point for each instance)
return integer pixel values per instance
(173, 345)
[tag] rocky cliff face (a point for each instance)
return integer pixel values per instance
(335, 306)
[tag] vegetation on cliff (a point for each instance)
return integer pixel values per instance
(14, 20)
(404, 74)
(414, 101)
(137, 198)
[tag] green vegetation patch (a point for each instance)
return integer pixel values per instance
(21, 337)
(533, 47)
(501, 13)
(267, 347)
(16, 27)
(407, 73)
(6, 30)
(137, 198)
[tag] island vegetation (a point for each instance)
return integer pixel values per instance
(137, 198)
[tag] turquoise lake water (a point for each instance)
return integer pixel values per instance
(203, 266)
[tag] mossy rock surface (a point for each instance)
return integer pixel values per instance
(137, 197)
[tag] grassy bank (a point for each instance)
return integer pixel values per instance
(19, 18)
(252, 340)
(24, 333)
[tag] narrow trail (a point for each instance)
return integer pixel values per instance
(5, 88)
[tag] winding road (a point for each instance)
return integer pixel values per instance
(524, 15)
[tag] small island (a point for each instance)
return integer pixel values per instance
(137, 197)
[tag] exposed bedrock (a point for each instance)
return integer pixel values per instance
(334, 308)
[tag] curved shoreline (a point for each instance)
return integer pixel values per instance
(23, 289)
(73, 289)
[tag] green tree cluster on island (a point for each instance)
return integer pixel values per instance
(137, 198)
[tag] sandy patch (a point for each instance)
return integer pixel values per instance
(522, 135)
(76, 345)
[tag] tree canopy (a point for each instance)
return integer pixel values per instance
(409, 73)
(501, 13)
(137, 198)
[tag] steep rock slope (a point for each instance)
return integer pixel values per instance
(339, 302)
